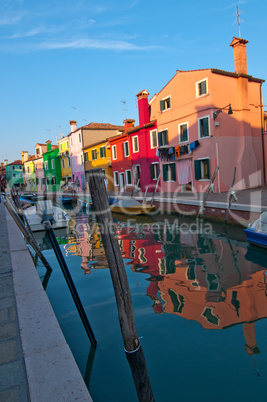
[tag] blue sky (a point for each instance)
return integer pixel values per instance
(57, 55)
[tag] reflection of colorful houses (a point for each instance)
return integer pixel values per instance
(195, 133)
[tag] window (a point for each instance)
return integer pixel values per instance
(165, 103)
(81, 159)
(37, 180)
(128, 177)
(14, 175)
(21, 175)
(86, 157)
(37, 151)
(202, 169)
(116, 178)
(114, 152)
(68, 162)
(202, 87)
(126, 148)
(154, 170)
(28, 169)
(80, 140)
(163, 138)
(46, 165)
(13, 167)
(60, 147)
(203, 127)
(94, 154)
(153, 139)
(102, 152)
(169, 172)
(20, 167)
(183, 132)
(53, 180)
(63, 164)
(52, 164)
(67, 146)
(135, 144)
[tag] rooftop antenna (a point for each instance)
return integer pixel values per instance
(124, 103)
(75, 108)
(85, 121)
(238, 20)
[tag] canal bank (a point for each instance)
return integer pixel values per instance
(36, 363)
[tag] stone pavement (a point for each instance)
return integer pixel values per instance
(13, 377)
(36, 364)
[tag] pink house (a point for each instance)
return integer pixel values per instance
(208, 118)
(143, 143)
(76, 155)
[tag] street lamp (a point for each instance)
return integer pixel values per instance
(217, 112)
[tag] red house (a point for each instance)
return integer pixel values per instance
(143, 145)
(121, 160)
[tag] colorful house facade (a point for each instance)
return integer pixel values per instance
(14, 174)
(143, 143)
(64, 154)
(208, 118)
(38, 163)
(52, 168)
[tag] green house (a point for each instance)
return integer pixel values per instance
(52, 168)
(14, 174)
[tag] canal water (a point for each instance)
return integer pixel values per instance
(199, 294)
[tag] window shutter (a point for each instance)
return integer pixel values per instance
(206, 127)
(165, 173)
(208, 168)
(162, 105)
(101, 152)
(166, 137)
(197, 170)
(160, 138)
(152, 171)
(173, 172)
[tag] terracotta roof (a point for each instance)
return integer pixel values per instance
(137, 128)
(235, 75)
(102, 126)
(17, 162)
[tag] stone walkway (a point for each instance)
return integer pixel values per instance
(13, 377)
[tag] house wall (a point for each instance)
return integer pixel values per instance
(103, 163)
(76, 159)
(122, 163)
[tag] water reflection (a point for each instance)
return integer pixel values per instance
(206, 276)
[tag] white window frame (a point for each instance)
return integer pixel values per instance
(46, 165)
(114, 151)
(67, 144)
(63, 164)
(127, 182)
(94, 152)
(60, 147)
(198, 124)
(160, 131)
(52, 164)
(187, 126)
(124, 149)
(102, 157)
(81, 159)
(164, 99)
(155, 163)
(197, 87)
(203, 159)
(116, 178)
(133, 144)
(151, 138)
(168, 164)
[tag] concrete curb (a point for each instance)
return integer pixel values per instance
(52, 372)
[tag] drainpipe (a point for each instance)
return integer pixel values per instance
(262, 137)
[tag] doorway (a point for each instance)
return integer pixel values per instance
(122, 182)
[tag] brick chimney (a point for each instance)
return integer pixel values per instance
(128, 123)
(48, 145)
(240, 55)
(73, 125)
(24, 156)
(143, 108)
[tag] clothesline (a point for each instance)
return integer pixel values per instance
(172, 153)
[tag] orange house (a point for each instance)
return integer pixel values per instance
(208, 118)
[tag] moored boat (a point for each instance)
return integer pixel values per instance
(257, 232)
(131, 207)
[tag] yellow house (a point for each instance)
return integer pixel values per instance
(64, 154)
(98, 156)
(29, 171)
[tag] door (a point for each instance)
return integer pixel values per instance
(122, 182)
(137, 180)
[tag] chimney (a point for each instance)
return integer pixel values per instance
(143, 108)
(48, 145)
(73, 125)
(128, 123)
(5, 161)
(240, 55)
(24, 156)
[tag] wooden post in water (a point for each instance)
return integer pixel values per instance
(132, 346)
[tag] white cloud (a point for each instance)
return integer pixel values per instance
(10, 20)
(28, 34)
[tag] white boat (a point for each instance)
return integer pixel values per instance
(44, 210)
(131, 207)
(257, 232)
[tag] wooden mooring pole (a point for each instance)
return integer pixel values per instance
(132, 346)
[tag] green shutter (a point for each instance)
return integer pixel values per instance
(208, 168)
(206, 127)
(101, 152)
(162, 105)
(165, 173)
(152, 171)
(160, 138)
(197, 170)
(166, 138)
(173, 172)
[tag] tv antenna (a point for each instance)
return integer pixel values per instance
(238, 12)
(124, 103)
